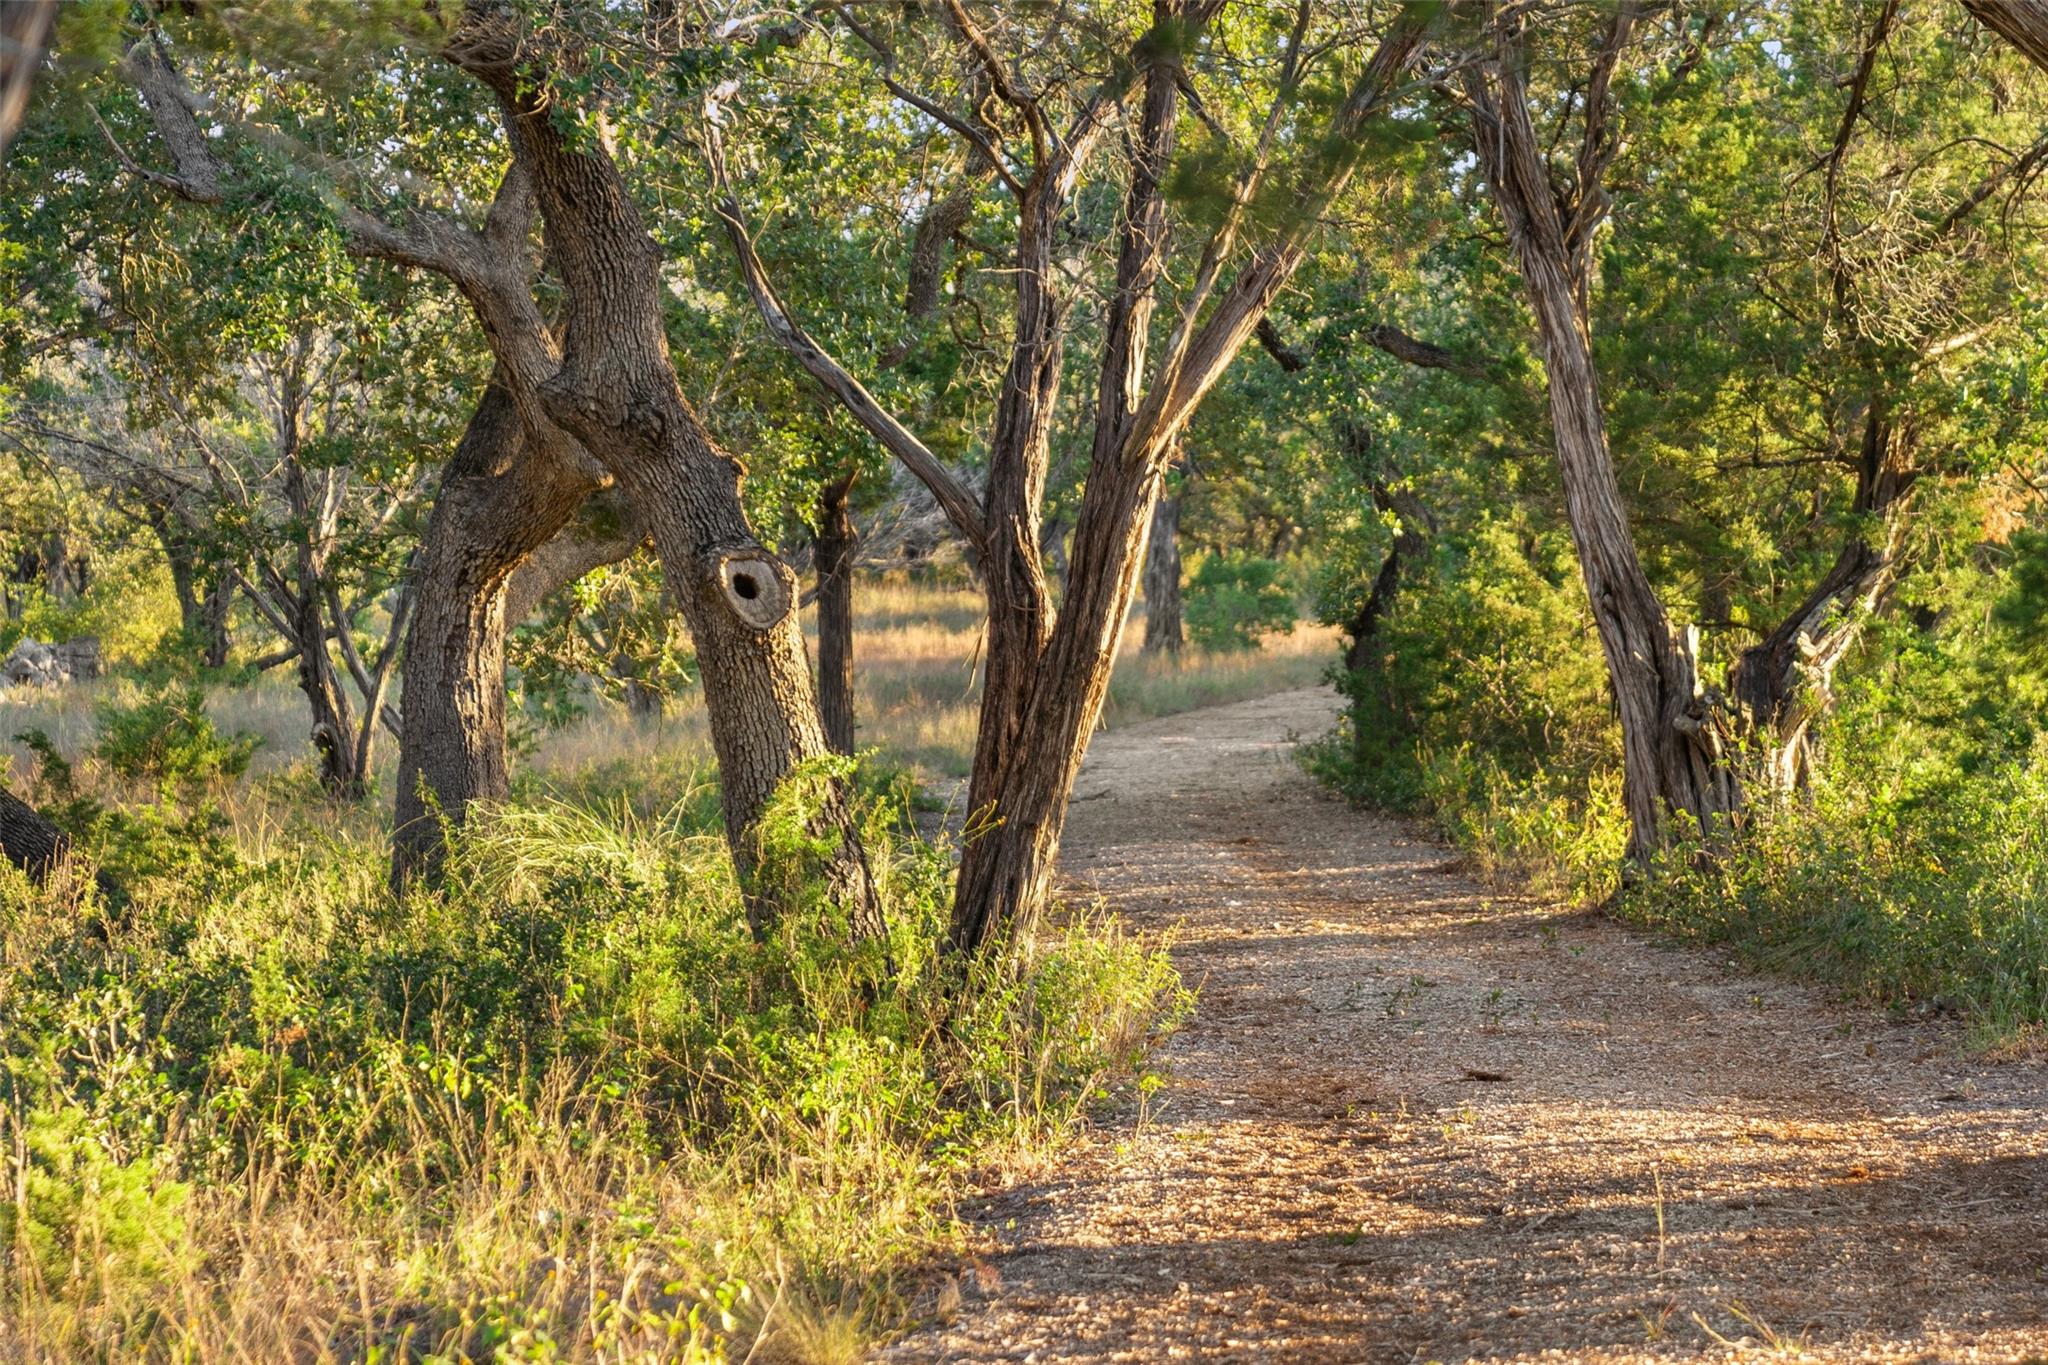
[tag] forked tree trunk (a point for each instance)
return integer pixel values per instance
(1044, 682)
(1006, 872)
(1783, 686)
(1043, 691)
(1163, 631)
(616, 391)
(501, 500)
(1675, 755)
(836, 539)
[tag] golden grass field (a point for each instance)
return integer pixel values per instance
(917, 648)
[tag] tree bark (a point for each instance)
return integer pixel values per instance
(502, 499)
(1675, 752)
(2023, 23)
(214, 606)
(1782, 686)
(836, 541)
(1046, 672)
(29, 841)
(1163, 632)
(25, 27)
(615, 390)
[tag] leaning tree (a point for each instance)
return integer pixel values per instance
(1044, 96)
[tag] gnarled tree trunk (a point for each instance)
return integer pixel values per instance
(503, 498)
(1782, 686)
(615, 390)
(1675, 751)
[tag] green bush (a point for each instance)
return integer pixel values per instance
(1235, 600)
(575, 1054)
(1482, 704)
(165, 736)
(1901, 877)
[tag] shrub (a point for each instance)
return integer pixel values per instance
(165, 736)
(1234, 600)
(568, 1108)
(1483, 705)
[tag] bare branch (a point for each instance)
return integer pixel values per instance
(1004, 82)
(953, 495)
(930, 108)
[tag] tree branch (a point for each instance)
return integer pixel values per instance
(960, 506)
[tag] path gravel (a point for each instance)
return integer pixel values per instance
(1415, 1120)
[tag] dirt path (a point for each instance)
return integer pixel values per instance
(1416, 1121)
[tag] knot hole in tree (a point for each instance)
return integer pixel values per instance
(756, 589)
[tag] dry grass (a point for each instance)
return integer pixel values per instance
(917, 648)
(303, 1194)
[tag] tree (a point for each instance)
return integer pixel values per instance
(612, 387)
(1891, 285)
(510, 501)
(1048, 664)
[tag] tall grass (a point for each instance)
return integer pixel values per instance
(569, 1110)
(917, 647)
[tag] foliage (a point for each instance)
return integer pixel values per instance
(1233, 600)
(165, 736)
(1927, 889)
(1482, 705)
(573, 1103)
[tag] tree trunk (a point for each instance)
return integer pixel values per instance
(184, 569)
(836, 540)
(1675, 750)
(2023, 23)
(1163, 633)
(1043, 692)
(29, 841)
(615, 390)
(1363, 457)
(334, 731)
(1782, 686)
(25, 28)
(215, 641)
(502, 499)
(1006, 873)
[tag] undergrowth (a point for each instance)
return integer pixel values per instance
(568, 1109)
(1911, 872)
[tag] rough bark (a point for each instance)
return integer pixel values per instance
(501, 500)
(1046, 673)
(615, 390)
(1782, 686)
(1675, 750)
(836, 544)
(2023, 23)
(1163, 632)
(29, 841)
